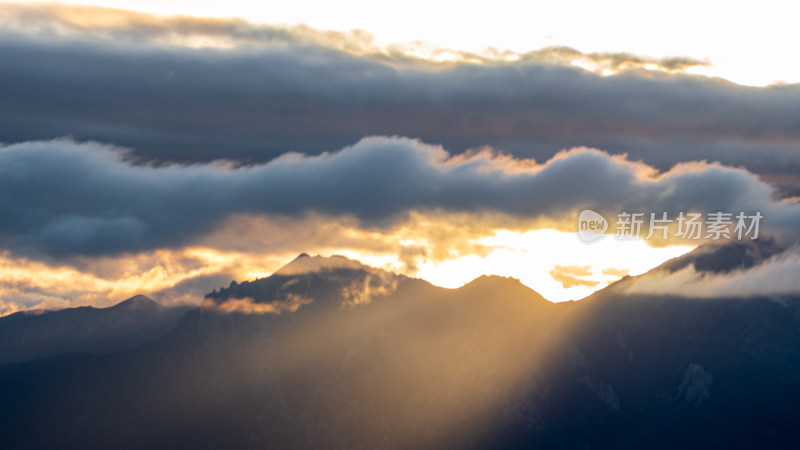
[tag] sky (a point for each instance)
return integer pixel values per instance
(743, 43)
(144, 152)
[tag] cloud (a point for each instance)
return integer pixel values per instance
(154, 211)
(776, 277)
(613, 271)
(133, 80)
(578, 271)
(136, 28)
(568, 281)
(571, 276)
(169, 276)
(64, 198)
(248, 306)
(243, 248)
(131, 27)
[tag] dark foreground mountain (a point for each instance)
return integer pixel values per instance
(331, 354)
(30, 335)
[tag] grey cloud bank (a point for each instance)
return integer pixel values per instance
(62, 198)
(255, 102)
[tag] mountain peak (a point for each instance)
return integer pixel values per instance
(487, 279)
(710, 259)
(503, 286)
(724, 257)
(138, 302)
(307, 264)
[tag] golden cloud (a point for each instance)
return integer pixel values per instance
(197, 32)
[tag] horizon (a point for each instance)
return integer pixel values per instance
(192, 302)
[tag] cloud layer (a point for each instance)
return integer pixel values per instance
(158, 152)
(776, 277)
(63, 198)
(132, 80)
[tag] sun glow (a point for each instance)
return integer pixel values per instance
(532, 257)
(708, 31)
(554, 263)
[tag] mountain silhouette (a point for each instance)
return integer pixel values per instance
(491, 364)
(706, 260)
(30, 335)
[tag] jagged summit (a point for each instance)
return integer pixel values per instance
(710, 259)
(493, 282)
(137, 301)
(724, 257)
(326, 279)
(501, 286)
(305, 263)
(492, 279)
(339, 279)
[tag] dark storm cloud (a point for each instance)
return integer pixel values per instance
(302, 90)
(63, 198)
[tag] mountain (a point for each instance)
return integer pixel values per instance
(30, 335)
(333, 281)
(712, 259)
(488, 365)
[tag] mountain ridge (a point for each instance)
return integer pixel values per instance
(480, 366)
(27, 336)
